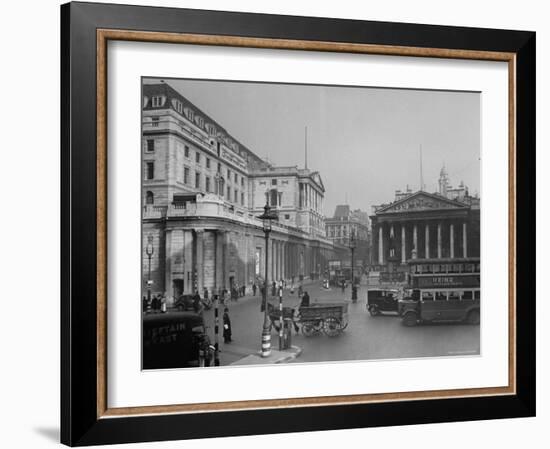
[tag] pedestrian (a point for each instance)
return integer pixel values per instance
(205, 293)
(197, 305)
(154, 304)
(305, 300)
(226, 326)
(145, 304)
(343, 285)
(163, 303)
(244, 290)
(300, 291)
(254, 289)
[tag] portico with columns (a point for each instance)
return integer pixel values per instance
(216, 250)
(424, 226)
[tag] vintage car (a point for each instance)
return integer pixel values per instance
(185, 302)
(450, 305)
(382, 300)
(175, 340)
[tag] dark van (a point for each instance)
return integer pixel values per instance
(175, 340)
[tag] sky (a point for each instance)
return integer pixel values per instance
(365, 142)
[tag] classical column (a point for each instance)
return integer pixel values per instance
(226, 261)
(464, 241)
(220, 237)
(380, 246)
(415, 241)
(403, 244)
(439, 240)
(167, 265)
(427, 242)
(278, 260)
(452, 240)
(283, 260)
(187, 261)
(199, 262)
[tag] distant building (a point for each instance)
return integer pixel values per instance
(422, 225)
(202, 191)
(347, 222)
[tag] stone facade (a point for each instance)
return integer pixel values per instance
(346, 222)
(431, 226)
(202, 191)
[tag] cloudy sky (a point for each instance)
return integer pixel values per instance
(365, 142)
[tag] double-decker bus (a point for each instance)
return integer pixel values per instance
(442, 290)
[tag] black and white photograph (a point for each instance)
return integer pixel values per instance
(297, 223)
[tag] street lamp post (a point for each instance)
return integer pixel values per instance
(352, 246)
(149, 250)
(266, 218)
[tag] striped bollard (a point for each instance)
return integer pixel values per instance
(266, 343)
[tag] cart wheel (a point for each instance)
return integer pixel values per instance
(343, 326)
(308, 329)
(331, 327)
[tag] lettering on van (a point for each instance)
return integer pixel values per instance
(164, 334)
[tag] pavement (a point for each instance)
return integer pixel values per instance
(256, 358)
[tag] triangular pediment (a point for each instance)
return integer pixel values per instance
(317, 179)
(421, 201)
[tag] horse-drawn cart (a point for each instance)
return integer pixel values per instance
(330, 318)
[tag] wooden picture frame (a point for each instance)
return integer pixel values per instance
(85, 416)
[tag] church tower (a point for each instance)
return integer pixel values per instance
(443, 182)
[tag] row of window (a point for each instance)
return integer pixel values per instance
(150, 148)
(446, 268)
(231, 195)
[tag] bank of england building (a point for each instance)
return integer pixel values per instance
(202, 191)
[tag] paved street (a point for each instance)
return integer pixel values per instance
(366, 337)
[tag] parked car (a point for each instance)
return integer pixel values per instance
(382, 300)
(175, 340)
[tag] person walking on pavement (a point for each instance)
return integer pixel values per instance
(254, 289)
(226, 326)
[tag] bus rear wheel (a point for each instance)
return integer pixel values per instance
(409, 319)
(473, 317)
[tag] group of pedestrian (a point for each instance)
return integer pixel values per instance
(156, 305)
(237, 291)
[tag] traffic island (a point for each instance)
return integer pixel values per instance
(275, 357)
